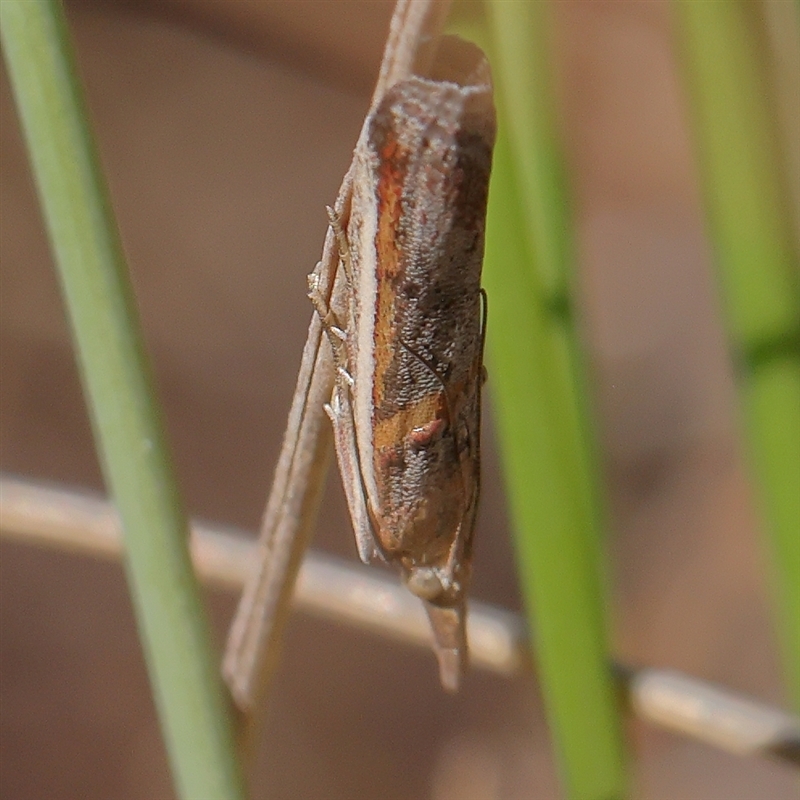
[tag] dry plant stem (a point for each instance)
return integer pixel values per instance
(255, 635)
(286, 529)
(371, 600)
(411, 45)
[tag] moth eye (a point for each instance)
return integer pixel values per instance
(425, 434)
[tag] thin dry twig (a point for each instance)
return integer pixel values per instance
(372, 600)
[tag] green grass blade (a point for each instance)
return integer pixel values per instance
(538, 422)
(128, 430)
(535, 381)
(759, 269)
(524, 73)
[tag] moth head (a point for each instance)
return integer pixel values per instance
(425, 583)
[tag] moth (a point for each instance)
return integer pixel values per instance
(408, 346)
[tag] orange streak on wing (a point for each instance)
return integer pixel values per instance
(396, 428)
(391, 174)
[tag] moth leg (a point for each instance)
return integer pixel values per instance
(337, 335)
(340, 412)
(344, 247)
(336, 332)
(330, 321)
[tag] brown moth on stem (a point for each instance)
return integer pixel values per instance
(254, 640)
(408, 344)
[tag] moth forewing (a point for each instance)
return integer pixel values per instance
(406, 407)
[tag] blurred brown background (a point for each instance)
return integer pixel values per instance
(225, 128)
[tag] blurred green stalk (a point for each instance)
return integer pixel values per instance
(128, 430)
(747, 197)
(536, 381)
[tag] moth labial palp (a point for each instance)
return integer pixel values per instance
(408, 345)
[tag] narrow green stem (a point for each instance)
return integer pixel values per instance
(758, 259)
(128, 430)
(537, 387)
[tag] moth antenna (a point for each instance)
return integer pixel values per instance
(481, 377)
